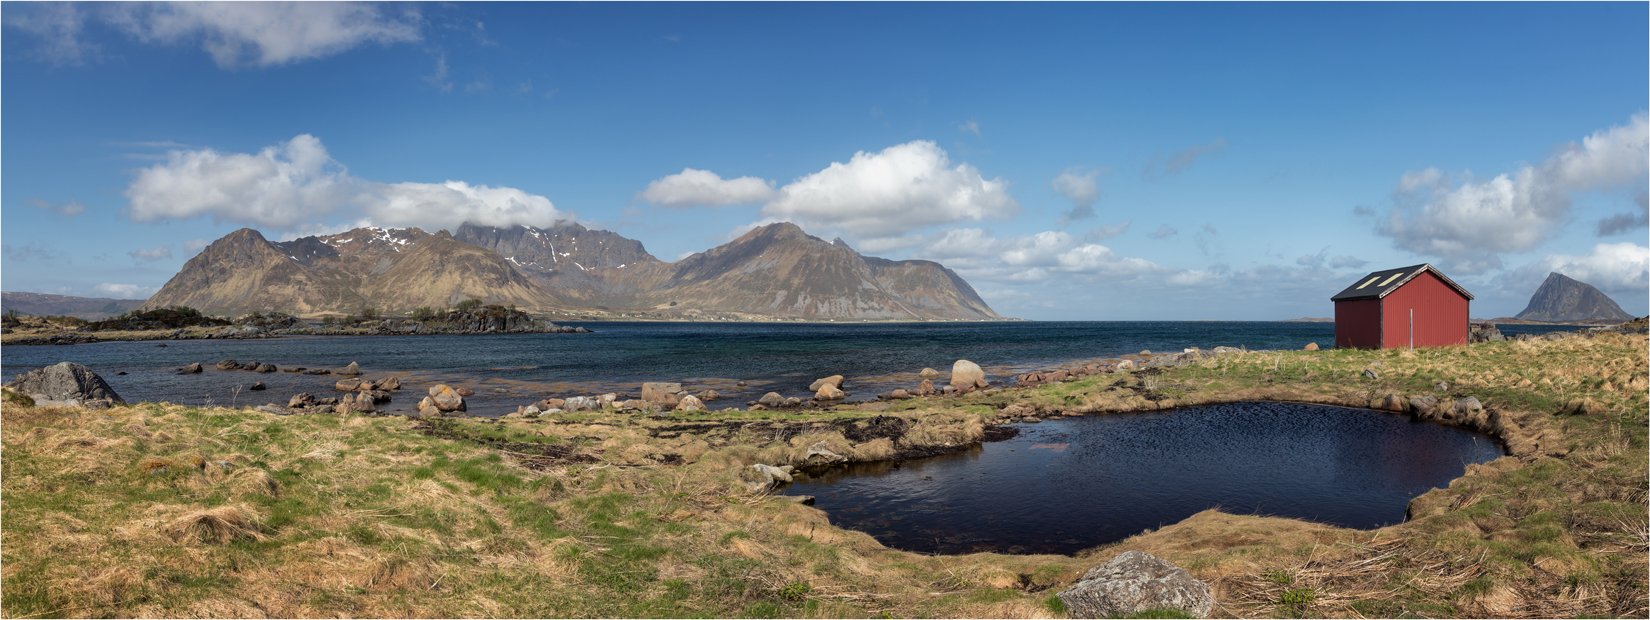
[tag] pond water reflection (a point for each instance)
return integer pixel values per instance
(1070, 484)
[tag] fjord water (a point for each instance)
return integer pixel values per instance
(511, 370)
(1071, 484)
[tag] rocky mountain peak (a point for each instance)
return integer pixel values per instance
(1561, 298)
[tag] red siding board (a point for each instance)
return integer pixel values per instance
(1358, 323)
(1440, 314)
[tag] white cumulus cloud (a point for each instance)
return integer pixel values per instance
(1615, 268)
(266, 33)
(124, 291)
(446, 205)
(1473, 223)
(893, 192)
(691, 188)
(295, 185)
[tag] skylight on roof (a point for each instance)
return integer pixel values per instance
(1371, 281)
(1394, 277)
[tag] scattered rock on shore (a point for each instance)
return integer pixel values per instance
(966, 374)
(829, 392)
(771, 399)
(690, 403)
(1311, 346)
(833, 381)
(1135, 582)
(662, 392)
(928, 373)
(446, 399)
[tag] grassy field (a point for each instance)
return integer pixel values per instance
(163, 510)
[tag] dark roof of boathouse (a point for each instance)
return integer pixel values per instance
(1379, 284)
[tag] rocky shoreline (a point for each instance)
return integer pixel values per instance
(34, 331)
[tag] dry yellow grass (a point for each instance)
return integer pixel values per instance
(171, 511)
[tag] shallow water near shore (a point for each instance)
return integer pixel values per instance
(1070, 484)
(511, 370)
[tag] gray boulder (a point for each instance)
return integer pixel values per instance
(834, 381)
(661, 392)
(228, 365)
(819, 454)
(66, 384)
(1467, 405)
(192, 369)
(764, 477)
(352, 370)
(1485, 333)
(1369, 373)
(1135, 582)
(965, 374)
(771, 399)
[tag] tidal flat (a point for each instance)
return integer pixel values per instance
(169, 510)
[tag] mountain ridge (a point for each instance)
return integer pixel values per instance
(1561, 298)
(773, 271)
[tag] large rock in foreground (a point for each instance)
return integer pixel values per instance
(1134, 582)
(966, 374)
(66, 384)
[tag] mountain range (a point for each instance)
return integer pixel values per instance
(770, 272)
(46, 304)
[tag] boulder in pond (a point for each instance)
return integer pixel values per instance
(928, 373)
(258, 386)
(708, 395)
(793, 402)
(192, 369)
(829, 392)
(387, 383)
(66, 384)
(466, 392)
(446, 399)
(317, 371)
(352, 370)
(267, 368)
(771, 399)
(833, 381)
(964, 373)
(1135, 582)
(348, 385)
(228, 365)
(301, 400)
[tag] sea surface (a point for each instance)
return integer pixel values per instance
(507, 371)
(1075, 483)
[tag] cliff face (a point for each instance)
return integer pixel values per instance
(1561, 298)
(390, 270)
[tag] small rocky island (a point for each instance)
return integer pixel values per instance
(184, 323)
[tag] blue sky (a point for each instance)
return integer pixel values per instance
(1072, 161)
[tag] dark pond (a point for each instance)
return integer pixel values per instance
(1066, 485)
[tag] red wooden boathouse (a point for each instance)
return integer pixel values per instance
(1411, 306)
